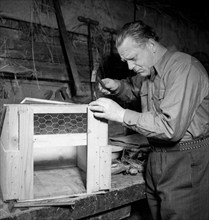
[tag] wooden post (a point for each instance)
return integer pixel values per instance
(26, 151)
(98, 154)
(9, 155)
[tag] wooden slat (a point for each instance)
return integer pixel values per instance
(45, 108)
(58, 182)
(92, 155)
(53, 71)
(105, 156)
(9, 135)
(59, 140)
(52, 108)
(44, 52)
(9, 155)
(58, 147)
(96, 138)
(26, 151)
(68, 48)
(9, 173)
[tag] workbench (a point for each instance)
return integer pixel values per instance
(113, 204)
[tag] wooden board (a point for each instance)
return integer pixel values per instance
(9, 155)
(126, 189)
(68, 48)
(26, 153)
(58, 182)
(98, 148)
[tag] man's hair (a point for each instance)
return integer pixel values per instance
(137, 30)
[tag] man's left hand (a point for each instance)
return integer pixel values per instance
(108, 109)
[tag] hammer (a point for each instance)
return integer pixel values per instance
(89, 23)
(111, 31)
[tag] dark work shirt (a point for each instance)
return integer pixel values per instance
(175, 102)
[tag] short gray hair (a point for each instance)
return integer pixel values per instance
(137, 30)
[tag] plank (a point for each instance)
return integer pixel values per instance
(64, 140)
(51, 108)
(68, 48)
(26, 152)
(9, 155)
(43, 52)
(97, 137)
(58, 149)
(105, 155)
(9, 135)
(47, 108)
(9, 170)
(58, 182)
(50, 71)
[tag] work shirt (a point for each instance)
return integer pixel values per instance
(174, 99)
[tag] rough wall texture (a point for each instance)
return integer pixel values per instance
(109, 13)
(36, 49)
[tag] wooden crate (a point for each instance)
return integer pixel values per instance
(29, 135)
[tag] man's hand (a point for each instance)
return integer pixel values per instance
(108, 109)
(109, 86)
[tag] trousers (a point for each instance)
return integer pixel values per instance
(177, 182)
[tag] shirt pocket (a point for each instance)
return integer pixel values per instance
(157, 99)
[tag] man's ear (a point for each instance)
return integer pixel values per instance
(152, 45)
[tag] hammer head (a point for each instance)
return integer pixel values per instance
(109, 30)
(88, 20)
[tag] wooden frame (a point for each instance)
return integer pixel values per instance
(18, 142)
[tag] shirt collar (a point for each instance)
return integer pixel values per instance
(160, 65)
(153, 74)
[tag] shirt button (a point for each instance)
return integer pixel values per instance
(129, 122)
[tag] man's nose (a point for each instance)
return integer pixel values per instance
(130, 65)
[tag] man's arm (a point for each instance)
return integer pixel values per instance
(186, 88)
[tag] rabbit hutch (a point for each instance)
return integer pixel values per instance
(50, 150)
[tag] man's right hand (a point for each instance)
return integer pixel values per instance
(110, 85)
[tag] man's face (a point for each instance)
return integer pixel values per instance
(140, 58)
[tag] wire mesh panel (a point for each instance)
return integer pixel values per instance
(61, 123)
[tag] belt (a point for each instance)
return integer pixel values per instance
(182, 146)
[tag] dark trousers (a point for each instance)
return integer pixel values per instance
(177, 184)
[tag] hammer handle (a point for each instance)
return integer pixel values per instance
(101, 83)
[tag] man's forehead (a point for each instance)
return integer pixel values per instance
(128, 42)
(127, 47)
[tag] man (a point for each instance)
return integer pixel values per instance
(174, 92)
